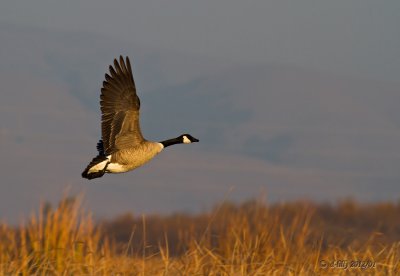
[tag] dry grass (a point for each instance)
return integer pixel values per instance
(250, 239)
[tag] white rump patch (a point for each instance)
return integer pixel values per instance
(186, 140)
(116, 168)
(98, 167)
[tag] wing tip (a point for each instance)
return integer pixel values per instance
(121, 66)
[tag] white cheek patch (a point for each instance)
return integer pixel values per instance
(186, 140)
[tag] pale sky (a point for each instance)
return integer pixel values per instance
(298, 99)
(359, 37)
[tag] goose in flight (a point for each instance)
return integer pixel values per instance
(123, 147)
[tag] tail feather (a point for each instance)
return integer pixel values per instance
(95, 161)
(100, 148)
(98, 173)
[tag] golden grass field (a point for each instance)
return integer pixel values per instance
(253, 238)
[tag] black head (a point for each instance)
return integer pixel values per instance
(187, 139)
(183, 139)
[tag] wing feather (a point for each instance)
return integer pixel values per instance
(120, 106)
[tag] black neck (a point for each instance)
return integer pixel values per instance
(171, 142)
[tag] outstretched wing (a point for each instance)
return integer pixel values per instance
(120, 106)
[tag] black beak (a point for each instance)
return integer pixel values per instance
(195, 140)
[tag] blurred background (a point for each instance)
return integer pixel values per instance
(291, 99)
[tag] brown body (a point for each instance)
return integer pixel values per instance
(132, 158)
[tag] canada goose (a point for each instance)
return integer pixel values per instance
(123, 147)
